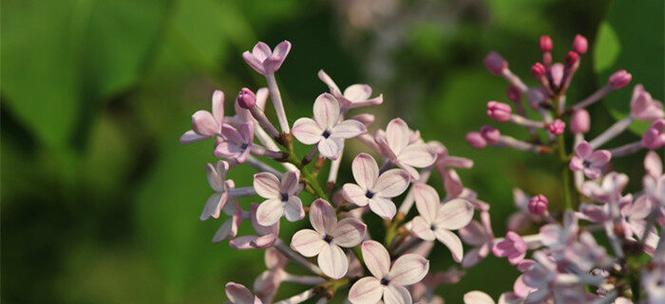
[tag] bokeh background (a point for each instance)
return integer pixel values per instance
(100, 202)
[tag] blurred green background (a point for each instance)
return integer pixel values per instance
(100, 202)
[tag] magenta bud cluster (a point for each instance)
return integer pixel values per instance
(538, 205)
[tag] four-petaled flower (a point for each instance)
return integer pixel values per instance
(204, 123)
(264, 60)
(237, 143)
(354, 96)
(217, 181)
(396, 145)
(512, 247)
(327, 238)
(374, 189)
(589, 161)
(327, 129)
(387, 281)
(281, 197)
(436, 220)
(643, 107)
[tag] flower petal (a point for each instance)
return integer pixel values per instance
(422, 228)
(417, 155)
(376, 258)
(334, 89)
(203, 123)
(477, 297)
(383, 207)
(358, 92)
(322, 216)
(367, 290)
(213, 206)
(427, 201)
(454, 214)
(391, 183)
(307, 242)
(353, 193)
(253, 62)
(191, 136)
(600, 157)
(307, 131)
(397, 134)
(293, 210)
(365, 170)
(326, 111)
(348, 129)
(279, 55)
(329, 147)
(451, 241)
(396, 295)
(332, 261)
(269, 212)
(239, 294)
(231, 134)
(583, 149)
(290, 182)
(218, 105)
(474, 234)
(408, 269)
(214, 179)
(266, 185)
(349, 232)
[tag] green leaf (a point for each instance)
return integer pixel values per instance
(607, 48)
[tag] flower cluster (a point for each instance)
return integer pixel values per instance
(345, 258)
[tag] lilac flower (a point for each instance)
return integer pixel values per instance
(387, 282)
(264, 238)
(643, 107)
(264, 60)
(204, 123)
(619, 79)
(267, 283)
(354, 96)
(654, 180)
(512, 247)
(653, 282)
(229, 229)
(558, 237)
(327, 238)
(588, 161)
(396, 145)
(374, 189)
(608, 190)
(237, 143)
(479, 297)
(326, 129)
(239, 294)
(480, 236)
(281, 197)
(654, 137)
(217, 181)
(436, 220)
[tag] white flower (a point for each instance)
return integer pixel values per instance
(281, 197)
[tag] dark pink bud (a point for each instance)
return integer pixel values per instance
(545, 43)
(580, 44)
(476, 140)
(538, 69)
(556, 127)
(572, 58)
(495, 63)
(538, 205)
(580, 121)
(620, 79)
(490, 134)
(499, 111)
(246, 98)
(514, 94)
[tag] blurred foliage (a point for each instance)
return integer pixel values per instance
(100, 202)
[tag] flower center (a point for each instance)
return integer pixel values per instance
(284, 197)
(326, 134)
(586, 164)
(369, 194)
(327, 238)
(385, 281)
(433, 227)
(244, 146)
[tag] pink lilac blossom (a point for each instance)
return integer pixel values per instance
(281, 197)
(264, 60)
(590, 162)
(396, 145)
(206, 124)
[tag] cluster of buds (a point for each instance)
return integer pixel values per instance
(341, 257)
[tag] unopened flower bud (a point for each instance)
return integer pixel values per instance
(580, 44)
(619, 79)
(538, 205)
(476, 140)
(556, 127)
(538, 69)
(246, 98)
(572, 58)
(514, 94)
(495, 63)
(580, 121)
(545, 43)
(490, 134)
(499, 111)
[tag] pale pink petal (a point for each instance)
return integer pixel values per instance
(348, 129)
(329, 148)
(191, 136)
(293, 210)
(358, 92)
(383, 207)
(214, 179)
(412, 171)
(204, 124)
(376, 258)
(279, 55)
(653, 164)
(422, 228)
(239, 294)
(218, 105)
(396, 295)
(326, 111)
(353, 193)
(307, 131)
(349, 232)
(224, 232)
(333, 261)
(231, 134)
(247, 132)
(334, 89)
(365, 170)
(427, 201)
(397, 135)
(454, 214)
(307, 242)
(408, 269)
(474, 234)
(477, 297)
(367, 290)
(264, 241)
(600, 157)
(243, 242)
(322, 216)
(228, 150)
(290, 182)
(261, 51)
(213, 206)
(583, 149)
(274, 259)
(266, 185)
(391, 183)
(451, 241)
(269, 212)
(417, 155)
(253, 62)
(472, 258)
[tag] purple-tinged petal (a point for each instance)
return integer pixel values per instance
(348, 129)
(218, 106)
(269, 212)
(253, 62)
(266, 185)
(583, 149)
(391, 183)
(653, 165)
(576, 163)
(322, 216)
(474, 234)
(213, 206)
(349, 232)
(293, 210)
(239, 294)
(454, 214)
(365, 170)
(191, 136)
(451, 241)
(279, 55)
(215, 180)
(334, 89)
(600, 158)
(203, 123)
(417, 155)
(396, 295)
(472, 258)
(367, 290)
(290, 182)
(264, 241)
(326, 111)
(354, 194)
(332, 261)
(329, 148)
(408, 269)
(422, 229)
(383, 207)
(261, 51)
(307, 131)
(308, 242)
(397, 135)
(427, 201)
(376, 258)
(358, 92)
